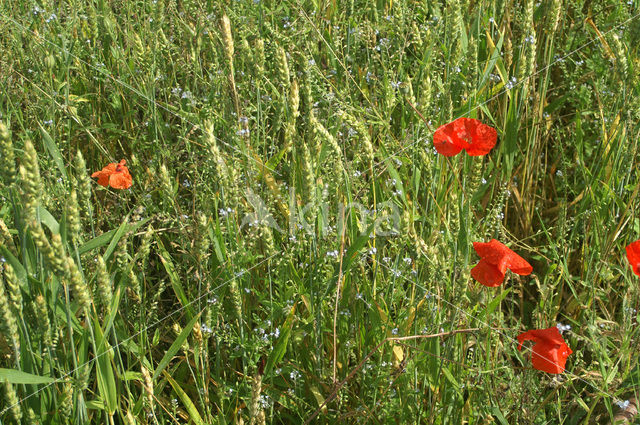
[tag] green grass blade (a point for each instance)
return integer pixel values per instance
(13, 376)
(104, 371)
(54, 152)
(281, 346)
(186, 331)
(186, 401)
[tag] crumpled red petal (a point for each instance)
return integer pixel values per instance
(501, 258)
(487, 274)
(464, 133)
(115, 175)
(120, 180)
(550, 351)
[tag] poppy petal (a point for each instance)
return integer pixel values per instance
(633, 255)
(115, 175)
(464, 129)
(519, 265)
(483, 140)
(445, 142)
(120, 180)
(549, 335)
(464, 133)
(545, 358)
(502, 257)
(492, 251)
(110, 168)
(103, 177)
(550, 351)
(487, 274)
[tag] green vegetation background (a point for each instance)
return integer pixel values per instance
(288, 212)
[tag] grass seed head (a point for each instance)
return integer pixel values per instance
(13, 402)
(78, 286)
(13, 286)
(104, 287)
(31, 183)
(7, 157)
(9, 321)
(227, 38)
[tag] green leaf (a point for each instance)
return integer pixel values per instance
(54, 152)
(95, 404)
(15, 263)
(463, 236)
(96, 242)
(113, 309)
(281, 346)
(633, 378)
(176, 282)
(494, 304)
(495, 56)
(104, 371)
(510, 135)
(175, 346)
(456, 385)
(114, 241)
(48, 220)
(355, 247)
(495, 411)
(396, 176)
(194, 415)
(13, 376)
(104, 238)
(133, 376)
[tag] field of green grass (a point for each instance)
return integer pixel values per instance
(292, 248)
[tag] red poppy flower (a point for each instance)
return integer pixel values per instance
(464, 133)
(495, 259)
(115, 175)
(633, 255)
(550, 352)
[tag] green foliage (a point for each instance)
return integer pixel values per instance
(289, 213)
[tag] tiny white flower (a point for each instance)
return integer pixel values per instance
(623, 404)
